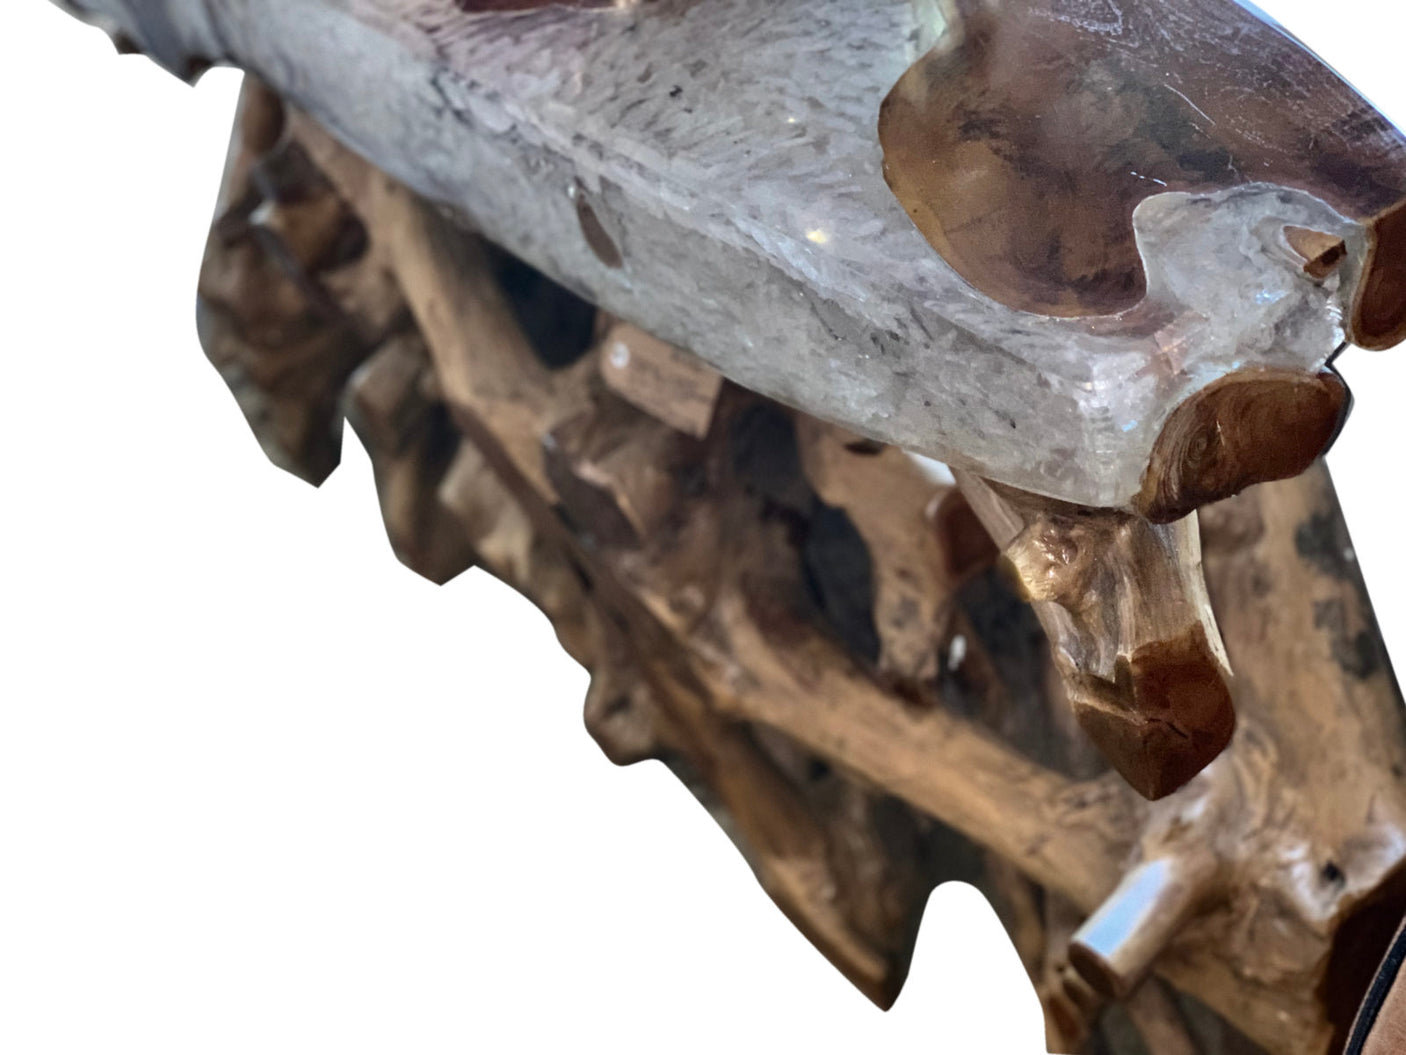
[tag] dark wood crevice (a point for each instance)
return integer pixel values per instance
(822, 642)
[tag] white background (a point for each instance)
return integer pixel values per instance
(263, 790)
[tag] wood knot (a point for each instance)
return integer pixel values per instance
(1055, 559)
(1245, 429)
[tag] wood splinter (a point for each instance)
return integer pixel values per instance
(1124, 603)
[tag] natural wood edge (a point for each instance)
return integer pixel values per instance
(1379, 313)
(701, 658)
(1252, 427)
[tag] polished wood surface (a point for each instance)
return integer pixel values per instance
(1023, 142)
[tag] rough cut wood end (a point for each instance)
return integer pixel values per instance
(1249, 428)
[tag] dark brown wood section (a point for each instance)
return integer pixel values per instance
(1247, 428)
(1023, 142)
(819, 638)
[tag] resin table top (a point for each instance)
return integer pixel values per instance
(1125, 203)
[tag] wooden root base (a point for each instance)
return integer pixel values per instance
(818, 639)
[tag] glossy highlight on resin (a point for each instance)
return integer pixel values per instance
(1022, 143)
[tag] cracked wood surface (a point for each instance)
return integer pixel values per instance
(1124, 603)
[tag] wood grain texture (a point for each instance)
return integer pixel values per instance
(723, 607)
(715, 180)
(1023, 143)
(1249, 428)
(1124, 602)
(807, 628)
